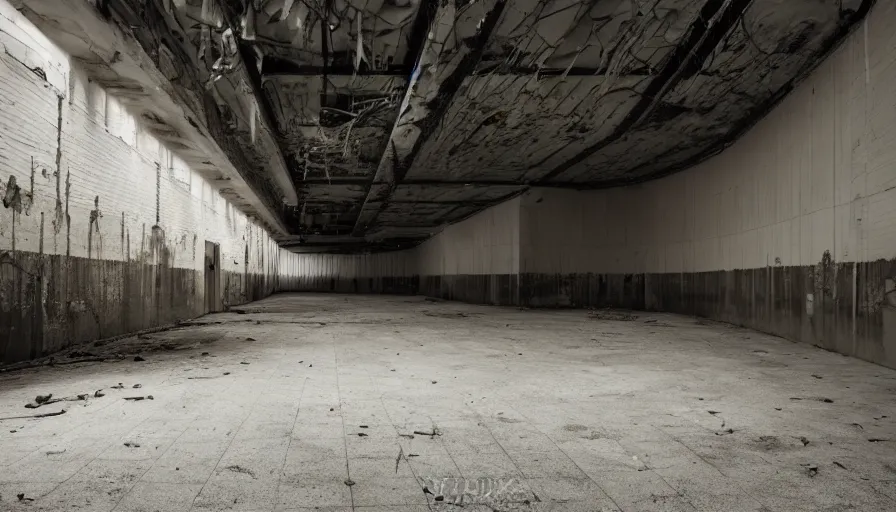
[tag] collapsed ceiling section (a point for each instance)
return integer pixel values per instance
(394, 117)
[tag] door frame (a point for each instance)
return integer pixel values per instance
(212, 277)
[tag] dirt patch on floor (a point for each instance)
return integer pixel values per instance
(612, 315)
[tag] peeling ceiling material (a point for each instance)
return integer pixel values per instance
(395, 117)
(197, 47)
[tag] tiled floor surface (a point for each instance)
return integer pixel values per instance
(378, 403)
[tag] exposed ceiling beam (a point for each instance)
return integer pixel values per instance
(431, 89)
(337, 181)
(274, 66)
(716, 19)
(503, 70)
(267, 129)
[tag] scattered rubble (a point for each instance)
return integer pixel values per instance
(44, 415)
(42, 400)
(609, 314)
(811, 469)
(239, 469)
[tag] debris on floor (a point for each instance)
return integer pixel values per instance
(43, 400)
(44, 415)
(439, 314)
(239, 469)
(610, 314)
(640, 412)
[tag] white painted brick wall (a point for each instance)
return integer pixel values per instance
(102, 167)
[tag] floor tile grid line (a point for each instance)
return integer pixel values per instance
(89, 461)
(137, 480)
(78, 426)
(713, 466)
(398, 433)
(492, 434)
(229, 444)
(677, 492)
(348, 474)
(295, 420)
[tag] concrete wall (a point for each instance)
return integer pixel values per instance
(476, 260)
(792, 230)
(103, 229)
(388, 272)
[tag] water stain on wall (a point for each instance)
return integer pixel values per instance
(93, 229)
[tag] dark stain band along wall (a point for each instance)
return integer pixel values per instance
(496, 289)
(848, 308)
(49, 302)
(405, 285)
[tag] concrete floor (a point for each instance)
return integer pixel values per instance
(314, 401)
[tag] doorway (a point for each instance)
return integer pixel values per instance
(212, 277)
